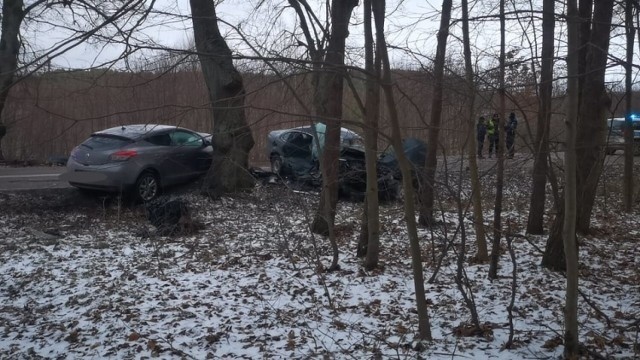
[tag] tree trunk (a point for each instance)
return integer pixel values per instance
(497, 212)
(371, 221)
(476, 190)
(314, 48)
(329, 109)
(535, 222)
(424, 327)
(232, 139)
(594, 106)
(571, 341)
(553, 257)
(628, 133)
(592, 113)
(12, 16)
(428, 188)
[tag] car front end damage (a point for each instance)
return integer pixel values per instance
(353, 177)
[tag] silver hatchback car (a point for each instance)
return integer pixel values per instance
(138, 159)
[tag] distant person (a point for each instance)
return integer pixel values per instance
(493, 134)
(481, 133)
(510, 130)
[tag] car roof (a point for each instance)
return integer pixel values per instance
(345, 133)
(137, 130)
(618, 119)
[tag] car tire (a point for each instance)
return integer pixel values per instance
(147, 187)
(276, 164)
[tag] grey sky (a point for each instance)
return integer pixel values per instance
(411, 25)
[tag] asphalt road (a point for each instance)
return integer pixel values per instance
(48, 177)
(32, 177)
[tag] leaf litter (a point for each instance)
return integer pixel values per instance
(247, 285)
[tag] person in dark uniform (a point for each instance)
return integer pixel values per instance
(510, 131)
(481, 133)
(493, 133)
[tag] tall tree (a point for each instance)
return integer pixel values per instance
(427, 190)
(476, 190)
(497, 211)
(628, 133)
(424, 327)
(232, 139)
(594, 31)
(369, 243)
(594, 107)
(535, 222)
(329, 109)
(570, 203)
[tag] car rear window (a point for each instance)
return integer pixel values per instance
(103, 142)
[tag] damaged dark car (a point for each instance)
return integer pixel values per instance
(294, 155)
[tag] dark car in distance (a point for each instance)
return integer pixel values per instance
(294, 154)
(138, 159)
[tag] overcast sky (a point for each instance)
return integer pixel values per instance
(411, 25)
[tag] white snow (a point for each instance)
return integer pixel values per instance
(248, 286)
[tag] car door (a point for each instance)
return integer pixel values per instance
(296, 151)
(187, 154)
(159, 154)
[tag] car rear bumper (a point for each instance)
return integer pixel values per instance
(117, 176)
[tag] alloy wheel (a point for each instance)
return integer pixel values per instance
(147, 187)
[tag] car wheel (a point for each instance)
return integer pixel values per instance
(276, 164)
(147, 186)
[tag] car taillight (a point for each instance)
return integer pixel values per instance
(123, 155)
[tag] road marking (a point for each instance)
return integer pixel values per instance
(27, 176)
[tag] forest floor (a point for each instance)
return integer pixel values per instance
(81, 277)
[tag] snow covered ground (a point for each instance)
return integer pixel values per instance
(248, 285)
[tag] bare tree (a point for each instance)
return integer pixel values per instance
(424, 327)
(570, 189)
(370, 234)
(628, 133)
(428, 183)
(314, 41)
(535, 222)
(595, 28)
(232, 139)
(497, 212)
(89, 18)
(476, 191)
(329, 109)
(594, 106)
